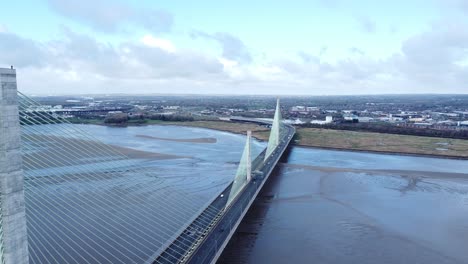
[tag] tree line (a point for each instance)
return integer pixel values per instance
(123, 118)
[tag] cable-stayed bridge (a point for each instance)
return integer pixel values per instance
(67, 197)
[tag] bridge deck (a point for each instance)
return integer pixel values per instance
(204, 245)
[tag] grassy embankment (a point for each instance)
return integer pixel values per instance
(339, 139)
(368, 141)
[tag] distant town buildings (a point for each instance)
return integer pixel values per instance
(350, 117)
(328, 120)
(294, 122)
(435, 117)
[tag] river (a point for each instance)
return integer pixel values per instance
(321, 206)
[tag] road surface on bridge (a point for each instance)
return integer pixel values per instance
(205, 238)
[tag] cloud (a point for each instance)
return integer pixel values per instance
(307, 57)
(134, 59)
(3, 28)
(111, 16)
(464, 5)
(459, 4)
(437, 57)
(366, 24)
(232, 47)
(81, 55)
(163, 44)
(20, 52)
(158, 63)
(435, 61)
(323, 51)
(356, 51)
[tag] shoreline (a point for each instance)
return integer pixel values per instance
(293, 143)
(336, 149)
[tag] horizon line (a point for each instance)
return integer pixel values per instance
(221, 94)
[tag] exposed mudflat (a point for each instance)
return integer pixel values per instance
(49, 151)
(186, 140)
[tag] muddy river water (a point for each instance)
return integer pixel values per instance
(320, 206)
(345, 207)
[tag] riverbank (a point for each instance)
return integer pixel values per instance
(342, 139)
(383, 143)
(352, 140)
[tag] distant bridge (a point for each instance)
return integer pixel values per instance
(69, 198)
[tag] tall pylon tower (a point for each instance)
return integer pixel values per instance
(273, 141)
(244, 171)
(13, 234)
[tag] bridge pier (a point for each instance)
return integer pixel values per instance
(13, 235)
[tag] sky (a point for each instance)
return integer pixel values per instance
(296, 47)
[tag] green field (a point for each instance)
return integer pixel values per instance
(353, 140)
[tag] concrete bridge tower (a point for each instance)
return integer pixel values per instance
(244, 171)
(13, 235)
(273, 141)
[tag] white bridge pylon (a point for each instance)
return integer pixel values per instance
(273, 141)
(244, 171)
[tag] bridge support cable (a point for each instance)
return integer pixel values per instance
(77, 215)
(66, 209)
(93, 142)
(142, 171)
(275, 132)
(244, 171)
(208, 208)
(67, 172)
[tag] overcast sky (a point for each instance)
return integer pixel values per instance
(313, 47)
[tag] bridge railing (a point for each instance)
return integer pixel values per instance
(219, 240)
(256, 163)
